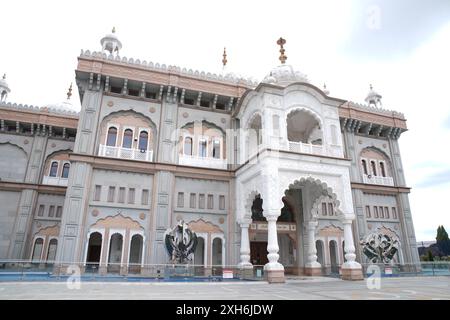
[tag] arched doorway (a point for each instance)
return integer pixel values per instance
(199, 257)
(334, 264)
(217, 252)
(115, 252)
(320, 255)
(199, 254)
(94, 250)
(135, 259)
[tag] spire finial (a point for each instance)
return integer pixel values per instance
(114, 30)
(281, 42)
(371, 87)
(69, 93)
(4, 76)
(224, 60)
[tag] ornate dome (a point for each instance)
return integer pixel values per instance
(284, 75)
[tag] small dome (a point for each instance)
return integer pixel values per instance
(64, 106)
(284, 75)
(4, 88)
(111, 42)
(373, 97)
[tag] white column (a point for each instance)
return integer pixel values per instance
(312, 251)
(272, 244)
(245, 246)
(349, 246)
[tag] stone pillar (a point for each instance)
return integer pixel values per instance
(273, 269)
(245, 247)
(312, 267)
(350, 270)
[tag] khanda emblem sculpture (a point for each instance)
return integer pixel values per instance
(180, 243)
(380, 248)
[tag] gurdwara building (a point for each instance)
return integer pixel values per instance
(277, 174)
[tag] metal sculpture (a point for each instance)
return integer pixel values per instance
(180, 243)
(380, 248)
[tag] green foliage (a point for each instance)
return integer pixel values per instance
(429, 256)
(441, 235)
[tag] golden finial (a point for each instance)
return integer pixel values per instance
(114, 30)
(282, 42)
(69, 93)
(224, 60)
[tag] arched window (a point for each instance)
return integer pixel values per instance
(54, 169)
(112, 137)
(188, 146)
(65, 171)
(202, 148)
(127, 138)
(143, 140)
(383, 170)
(374, 168)
(216, 149)
(364, 165)
(37, 250)
(51, 253)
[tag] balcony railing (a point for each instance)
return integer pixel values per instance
(197, 161)
(371, 179)
(125, 153)
(306, 148)
(55, 181)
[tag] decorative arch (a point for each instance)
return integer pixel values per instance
(256, 113)
(60, 156)
(205, 133)
(365, 154)
(203, 226)
(14, 145)
(204, 123)
(124, 119)
(314, 114)
(13, 162)
(249, 203)
(117, 221)
(324, 192)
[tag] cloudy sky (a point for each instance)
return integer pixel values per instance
(402, 47)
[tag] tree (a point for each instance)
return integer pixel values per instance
(430, 256)
(442, 241)
(442, 235)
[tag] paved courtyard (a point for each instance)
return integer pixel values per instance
(302, 288)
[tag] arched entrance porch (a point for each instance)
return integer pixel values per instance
(304, 198)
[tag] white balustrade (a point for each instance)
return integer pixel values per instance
(55, 181)
(125, 153)
(371, 179)
(196, 161)
(306, 148)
